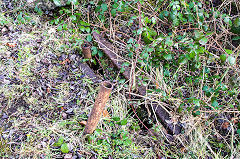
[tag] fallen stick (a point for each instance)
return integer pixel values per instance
(100, 102)
(161, 113)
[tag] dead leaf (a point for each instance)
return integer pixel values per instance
(105, 114)
(225, 125)
(235, 120)
(11, 44)
(83, 123)
(65, 61)
(157, 85)
(183, 149)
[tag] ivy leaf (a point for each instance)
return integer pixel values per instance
(203, 41)
(88, 29)
(59, 28)
(113, 12)
(127, 142)
(167, 57)
(115, 5)
(169, 41)
(197, 34)
(130, 41)
(104, 7)
(116, 118)
(89, 38)
(59, 142)
(75, 2)
(215, 103)
(139, 31)
(231, 60)
(228, 51)
(122, 122)
(73, 17)
(94, 50)
(153, 20)
(236, 38)
(238, 131)
(223, 57)
(57, 2)
(82, 28)
(64, 148)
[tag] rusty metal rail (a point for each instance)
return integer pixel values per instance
(163, 116)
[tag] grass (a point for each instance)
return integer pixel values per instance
(45, 97)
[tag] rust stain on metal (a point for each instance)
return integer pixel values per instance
(86, 49)
(100, 102)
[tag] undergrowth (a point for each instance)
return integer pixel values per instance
(186, 53)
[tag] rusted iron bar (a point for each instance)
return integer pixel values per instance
(109, 51)
(161, 113)
(86, 49)
(165, 120)
(89, 72)
(100, 102)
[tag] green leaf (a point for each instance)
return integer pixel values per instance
(73, 17)
(182, 60)
(122, 122)
(227, 20)
(203, 41)
(238, 131)
(167, 57)
(205, 88)
(57, 2)
(228, 51)
(104, 7)
(100, 53)
(64, 26)
(236, 38)
(215, 103)
(153, 20)
(116, 118)
(59, 142)
(75, 2)
(231, 60)
(139, 31)
(94, 50)
(64, 148)
(122, 69)
(59, 28)
(115, 5)
(113, 12)
(236, 26)
(88, 29)
(197, 34)
(127, 142)
(169, 41)
(82, 28)
(130, 41)
(89, 38)
(223, 57)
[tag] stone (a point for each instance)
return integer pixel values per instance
(4, 116)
